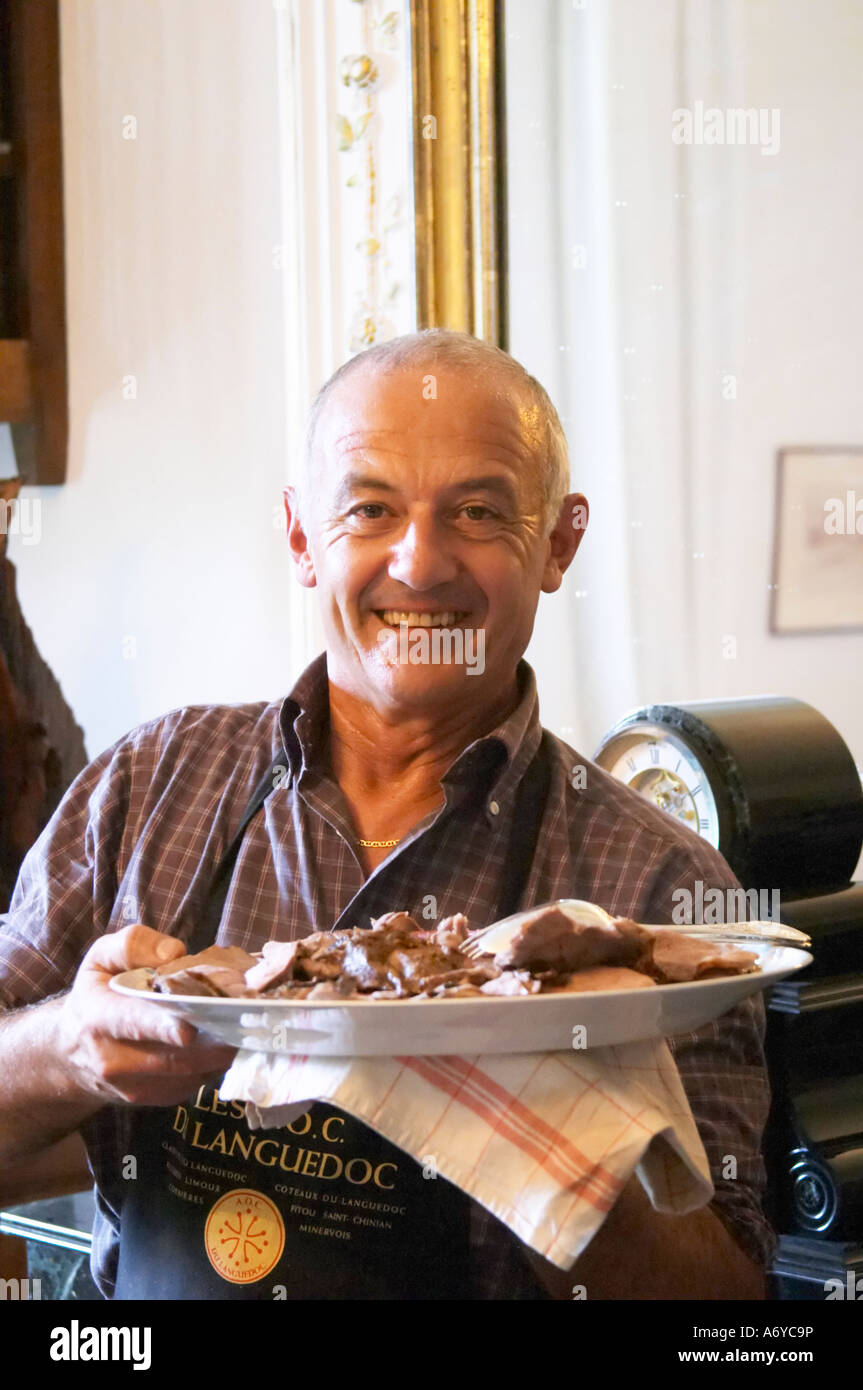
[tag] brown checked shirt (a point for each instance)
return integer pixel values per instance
(139, 833)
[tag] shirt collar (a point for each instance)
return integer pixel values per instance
(304, 717)
(491, 766)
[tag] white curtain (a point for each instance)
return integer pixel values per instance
(620, 244)
(329, 209)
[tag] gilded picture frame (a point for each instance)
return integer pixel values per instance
(459, 166)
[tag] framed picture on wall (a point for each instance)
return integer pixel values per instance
(818, 541)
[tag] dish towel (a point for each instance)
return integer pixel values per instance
(545, 1141)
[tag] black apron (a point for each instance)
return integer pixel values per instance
(323, 1208)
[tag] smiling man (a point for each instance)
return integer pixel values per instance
(433, 494)
(433, 500)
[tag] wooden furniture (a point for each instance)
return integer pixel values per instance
(33, 375)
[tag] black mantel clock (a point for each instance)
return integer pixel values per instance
(769, 782)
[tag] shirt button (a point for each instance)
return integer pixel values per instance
(494, 808)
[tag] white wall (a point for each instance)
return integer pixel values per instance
(162, 535)
(160, 579)
(699, 263)
(800, 289)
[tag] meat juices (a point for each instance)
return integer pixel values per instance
(394, 958)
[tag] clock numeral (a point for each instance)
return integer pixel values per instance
(654, 753)
(703, 823)
(679, 761)
(693, 791)
(630, 762)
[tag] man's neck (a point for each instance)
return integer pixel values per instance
(374, 748)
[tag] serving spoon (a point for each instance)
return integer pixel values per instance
(489, 940)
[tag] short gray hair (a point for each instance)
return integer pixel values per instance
(454, 348)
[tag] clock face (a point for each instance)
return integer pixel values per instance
(659, 765)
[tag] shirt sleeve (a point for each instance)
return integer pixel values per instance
(723, 1070)
(67, 885)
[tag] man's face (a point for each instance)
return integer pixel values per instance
(425, 511)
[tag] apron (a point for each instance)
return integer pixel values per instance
(322, 1208)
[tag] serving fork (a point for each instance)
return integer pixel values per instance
(489, 940)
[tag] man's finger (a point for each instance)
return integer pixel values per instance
(130, 948)
(141, 1022)
(130, 1059)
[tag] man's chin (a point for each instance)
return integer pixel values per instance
(424, 686)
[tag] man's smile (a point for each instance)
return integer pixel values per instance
(394, 617)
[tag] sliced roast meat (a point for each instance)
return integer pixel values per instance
(276, 964)
(413, 967)
(468, 974)
(332, 989)
(599, 977)
(320, 956)
(290, 989)
(367, 957)
(640, 942)
(183, 982)
(396, 959)
(677, 958)
(218, 980)
(230, 957)
(452, 932)
(397, 922)
(549, 940)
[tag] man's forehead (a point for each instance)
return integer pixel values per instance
(391, 411)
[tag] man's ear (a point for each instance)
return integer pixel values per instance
(297, 540)
(564, 540)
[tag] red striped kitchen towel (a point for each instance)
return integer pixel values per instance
(545, 1141)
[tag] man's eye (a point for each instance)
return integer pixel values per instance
(475, 511)
(368, 511)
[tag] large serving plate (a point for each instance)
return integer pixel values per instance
(435, 1027)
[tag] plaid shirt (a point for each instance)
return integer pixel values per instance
(139, 833)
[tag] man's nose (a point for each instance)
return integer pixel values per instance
(422, 557)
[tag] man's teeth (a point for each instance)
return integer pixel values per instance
(394, 617)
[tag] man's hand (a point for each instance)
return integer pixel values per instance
(120, 1049)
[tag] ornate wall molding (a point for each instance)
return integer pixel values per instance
(344, 251)
(371, 140)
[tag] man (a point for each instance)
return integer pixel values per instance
(433, 496)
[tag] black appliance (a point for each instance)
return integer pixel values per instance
(770, 782)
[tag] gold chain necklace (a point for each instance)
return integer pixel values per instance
(379, 844)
